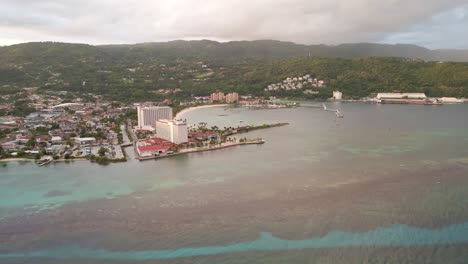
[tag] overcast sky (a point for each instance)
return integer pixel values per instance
(430, 23)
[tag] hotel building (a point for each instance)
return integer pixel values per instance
(172, 130)
(147, 116)
(217, 97)
(232, 98)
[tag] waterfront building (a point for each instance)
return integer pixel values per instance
(217, 97)
(172, 130)
(449, 100)
(153, 147)
(147, 116)
(232, 98)
(415, 96)
(337, 95)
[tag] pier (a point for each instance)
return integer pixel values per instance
(228, 145)
(337, 112)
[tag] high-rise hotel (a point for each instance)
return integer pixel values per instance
(232, 98)
(174, 131)
(148, 115)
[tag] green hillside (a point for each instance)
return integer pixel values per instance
(137, 72)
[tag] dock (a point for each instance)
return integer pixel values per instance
(337, 112)
(253, 142)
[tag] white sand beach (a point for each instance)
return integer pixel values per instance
(186, 110)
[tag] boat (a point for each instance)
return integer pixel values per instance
(240, 121)
(339, 114)
(44, 161)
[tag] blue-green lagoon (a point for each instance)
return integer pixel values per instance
(385, 184)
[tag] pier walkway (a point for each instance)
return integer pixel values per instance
(336, 111)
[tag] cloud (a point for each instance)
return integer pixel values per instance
(444, 30)
(302, 21)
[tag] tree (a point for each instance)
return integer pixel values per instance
(69, 142)
(31, 143)
(42, 151)
(102, 160)
(102, 151)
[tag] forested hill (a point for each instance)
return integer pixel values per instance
(136, 72)
(234, 50)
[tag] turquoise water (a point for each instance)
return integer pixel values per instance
(367, 131)
(378, 166)
(395, 235)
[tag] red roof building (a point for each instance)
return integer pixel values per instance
(153, 147)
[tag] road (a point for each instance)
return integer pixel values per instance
(132, 133)
(126, 140)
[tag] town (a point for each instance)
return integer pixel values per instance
(51, 126)
(88, 128)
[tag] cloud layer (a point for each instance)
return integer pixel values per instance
(433, 23)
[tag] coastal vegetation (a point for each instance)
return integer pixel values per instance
(143, 72)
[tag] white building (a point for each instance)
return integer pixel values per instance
(56, 140)
(172, 130)
(337, 95)
(401, 96)
(449, 100)
(147, 116)
(85, 140)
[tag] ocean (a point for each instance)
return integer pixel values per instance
(384, 184)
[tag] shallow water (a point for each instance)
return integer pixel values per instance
(396, 235)
(377, 177)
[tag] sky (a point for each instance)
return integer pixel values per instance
(436, 24)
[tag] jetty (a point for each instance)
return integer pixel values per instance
(203, 149)
(337, 112)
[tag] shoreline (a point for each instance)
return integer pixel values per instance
(255, 142)
(189, 109)
(15, 159)
(53, 161)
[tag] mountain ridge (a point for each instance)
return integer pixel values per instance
(264, 49)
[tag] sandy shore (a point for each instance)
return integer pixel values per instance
(186, 110)
(15, 159)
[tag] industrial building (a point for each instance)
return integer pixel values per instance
(172, 130)
(147, 116)
(449, 100)
(412, 96)
(404, 98)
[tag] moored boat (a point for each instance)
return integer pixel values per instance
(44, 161)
